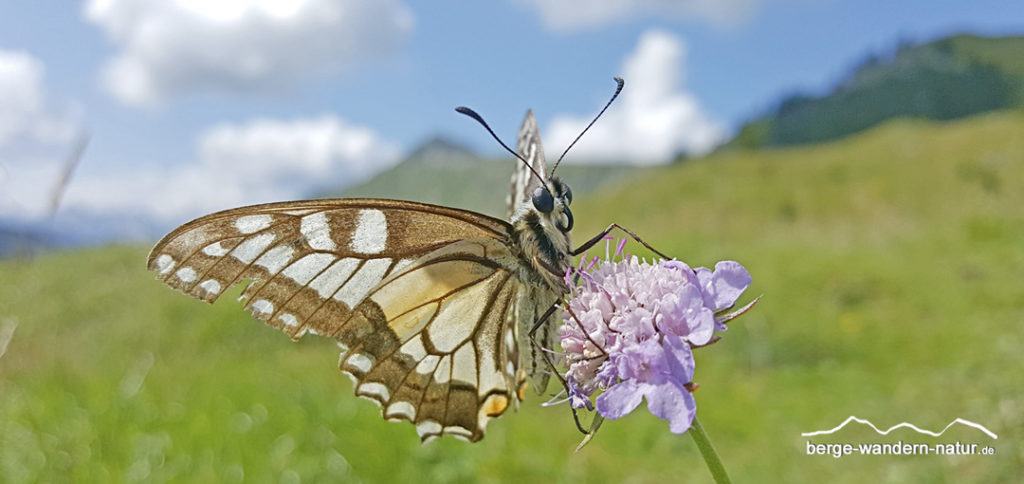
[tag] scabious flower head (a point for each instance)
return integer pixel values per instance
(630, 327)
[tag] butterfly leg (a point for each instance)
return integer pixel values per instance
(596, 423)
(543, 317)
(597, 238)
(551, 364)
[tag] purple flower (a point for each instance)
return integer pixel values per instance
(629, 329)
(658, 372)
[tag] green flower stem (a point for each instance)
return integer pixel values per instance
(700, 437)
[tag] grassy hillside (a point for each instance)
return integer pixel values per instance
(944, 79)
(890, 265)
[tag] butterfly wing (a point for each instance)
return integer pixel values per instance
(533, 301)
(524, 182)
(417, 296)
(527, 308)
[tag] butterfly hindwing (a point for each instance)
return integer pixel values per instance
(417, 296)
(431, 345)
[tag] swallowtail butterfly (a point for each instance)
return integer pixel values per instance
(432, 307)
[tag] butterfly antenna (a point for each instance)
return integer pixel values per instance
(480, 119)
(620, 82)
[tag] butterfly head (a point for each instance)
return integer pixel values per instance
(552, 201)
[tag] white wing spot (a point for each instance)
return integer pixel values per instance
(274, 259)
(372, 399)
(365, 279)
(375, 389)
(510, 340)
(165, 263)
(304, 269)
(427, 365)
(215, 250)
(252, 223)
(186, 274)
(360, 362)
(464, 366)
(351, 377)
(289, 320)
(400, 409)
(444, 369)
(262, 306)
(458, 432)
(211, 286)
(371, 235)
(414, 349)
(428, 427)
(328, 282)
(247, 251)
(401, 264)
(317, 232)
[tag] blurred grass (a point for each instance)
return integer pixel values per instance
(890, 265)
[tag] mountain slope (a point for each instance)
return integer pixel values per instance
(444, 174)
(945, 79)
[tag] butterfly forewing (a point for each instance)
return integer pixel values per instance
(524, 182)
(418, 296)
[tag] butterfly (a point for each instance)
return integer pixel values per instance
(440, 313)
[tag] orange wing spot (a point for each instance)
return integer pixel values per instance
(522, 390)
(495, 405)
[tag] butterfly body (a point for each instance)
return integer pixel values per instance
(544, 239)
(430, 305)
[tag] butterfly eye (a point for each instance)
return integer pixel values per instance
(567, 196)
(543, 201)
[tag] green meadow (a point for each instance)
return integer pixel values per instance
(890, 265)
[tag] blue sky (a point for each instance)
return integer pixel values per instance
(195, 106)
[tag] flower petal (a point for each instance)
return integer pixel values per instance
(703, 322)
(679, 358)
(644, 362)
(619, 400)
(728, 282)
(671, 402)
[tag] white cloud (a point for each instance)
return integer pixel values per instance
(573, 15)
(258, 161)
(174, 47)
(653, 120)
(35, 136)
(291, 156)
(25, 110)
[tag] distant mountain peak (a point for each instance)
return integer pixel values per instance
(440, 151)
